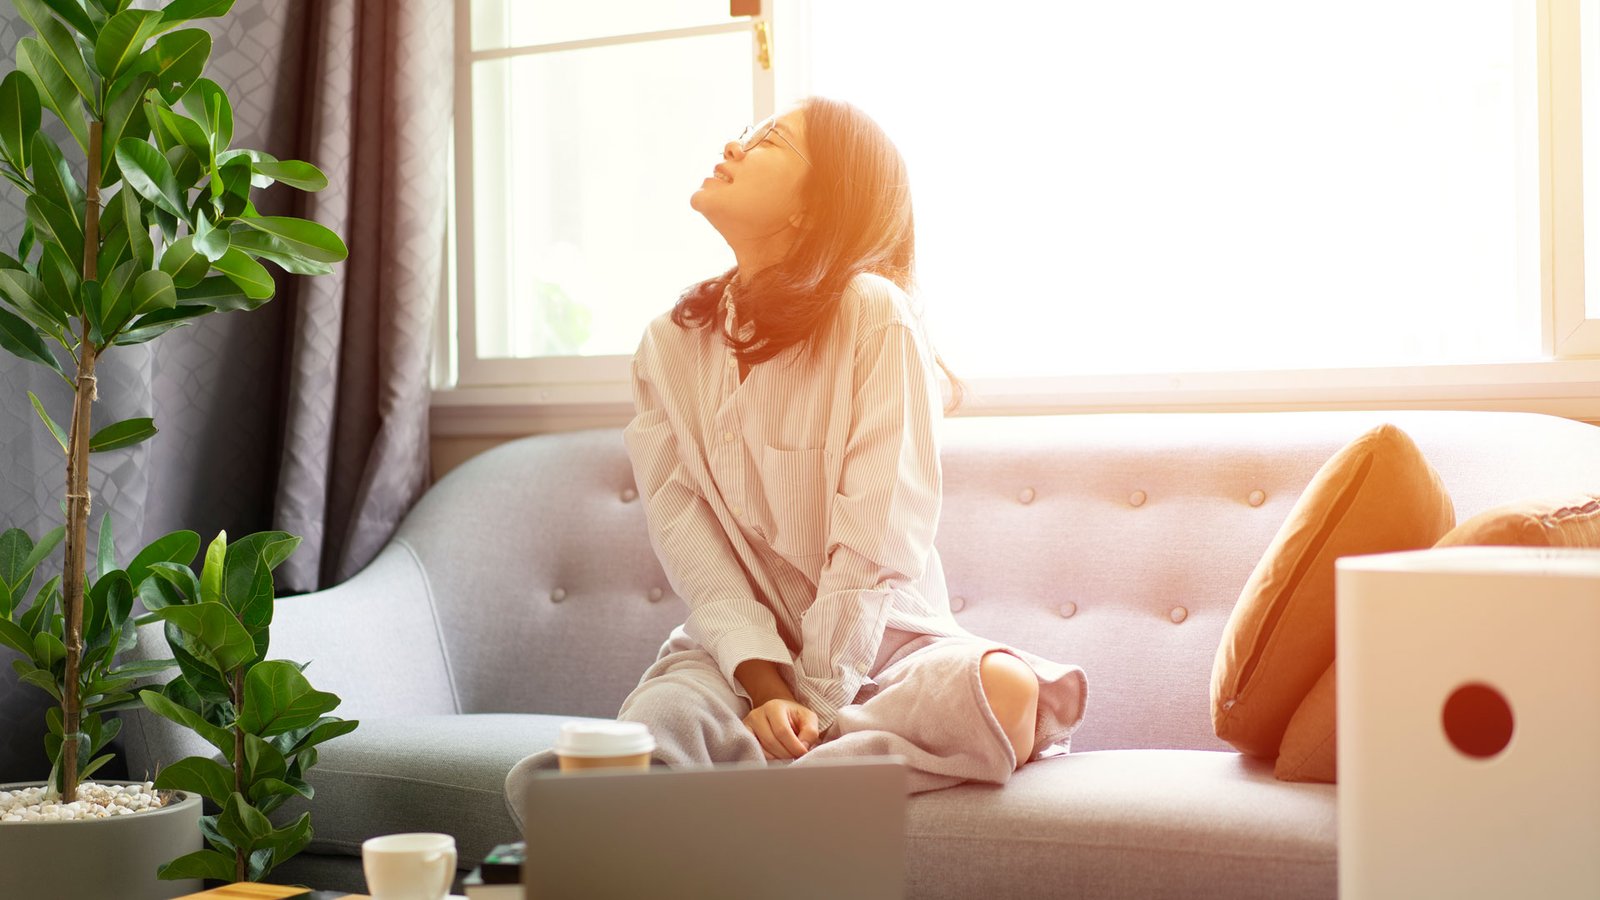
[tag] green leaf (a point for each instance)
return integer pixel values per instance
(139, 243)
(19, 118)
(144, 668)
(123, 39)
(272, 547)
(47, 545)
(61, 287)
(153, 325)
(208, 104)
(216, 293)
(285, 842)
(269, 248)
(302, 237)
(214, 735)
(92, 302)
(55, 89)
(123, 120)
(220, 640)
(211, 242)
(277, 698)
(25, 342)
(44, 681)
(70, 11)
(107, 560)
(56, 223)
(262, 760)
(48, 650)
(116, 300)
(249, 275)
(196, 774)
(54, 178)
(186, 130)
(178, 547)
(178, 59)
(84, 771)
(43, 608)
(64, 48)
(147, 171)
(180, 576)
(153, 291)
(322, 731)
(211, 570)
(122, 434)
(15, 637)
(294, 173)
(185, 264)
(202, 864)
(38, 407)
(186, 10)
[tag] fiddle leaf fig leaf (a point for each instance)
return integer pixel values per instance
(178, 547)
(277, 698)
(211, 570)
(202, 864)
(219, 638)
(206, 777)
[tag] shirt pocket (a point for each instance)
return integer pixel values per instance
(795, 485)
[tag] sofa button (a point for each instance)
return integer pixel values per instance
(629, 495)
(558, 595)
(1067, 609)
(1026, 496)
(957, 604)
(1178, 614)
(655, 595)
(1136, 498)
(1257, 498)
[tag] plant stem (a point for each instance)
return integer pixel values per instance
(83, 397)
(237, 687)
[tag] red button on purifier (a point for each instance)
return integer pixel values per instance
(1478, 721)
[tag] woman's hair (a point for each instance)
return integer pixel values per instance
(857, 201)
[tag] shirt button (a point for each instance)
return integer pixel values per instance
(727, 436)
(861, 668)
(738, 511)
(733, 362)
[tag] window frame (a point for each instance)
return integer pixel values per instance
(517, 396)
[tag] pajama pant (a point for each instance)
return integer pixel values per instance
(924, 702)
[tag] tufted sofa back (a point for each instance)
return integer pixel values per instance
(1116, 542)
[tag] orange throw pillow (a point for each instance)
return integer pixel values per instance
(1377, 495)
(1566, 522)
(1310, 744)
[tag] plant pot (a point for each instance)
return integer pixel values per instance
(90, 859)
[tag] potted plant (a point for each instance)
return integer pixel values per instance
(143, 223)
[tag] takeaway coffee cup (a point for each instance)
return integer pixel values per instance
(416, 866)
(604, 745)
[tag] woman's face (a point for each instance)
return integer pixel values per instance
(754, 193)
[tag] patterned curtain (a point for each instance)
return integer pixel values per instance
(355, 454)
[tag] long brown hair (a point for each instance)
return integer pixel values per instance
(857, 199)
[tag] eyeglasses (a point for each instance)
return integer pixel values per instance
(755, 134)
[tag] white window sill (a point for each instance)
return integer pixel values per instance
(1569, 388)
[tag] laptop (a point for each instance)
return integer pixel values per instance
(833, 828)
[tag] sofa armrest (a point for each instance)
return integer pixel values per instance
(373, 640)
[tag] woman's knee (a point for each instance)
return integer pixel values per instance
(1013, 694)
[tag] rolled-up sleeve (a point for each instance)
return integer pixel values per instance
(882, 518)
(724, 615)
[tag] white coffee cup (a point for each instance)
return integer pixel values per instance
(604, 745)
(417, 866)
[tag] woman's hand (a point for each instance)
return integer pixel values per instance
(785, 728)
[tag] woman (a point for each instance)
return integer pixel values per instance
(785, 445)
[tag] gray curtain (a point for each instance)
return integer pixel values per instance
(309, 414)
(377, 108)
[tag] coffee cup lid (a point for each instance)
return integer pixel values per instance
(592, 739)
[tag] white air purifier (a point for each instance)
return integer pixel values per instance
(1469, 724)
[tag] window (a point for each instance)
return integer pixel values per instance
(1130, 195)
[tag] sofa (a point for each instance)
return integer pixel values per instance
(522, 592)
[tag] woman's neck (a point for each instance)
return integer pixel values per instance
(752, 257)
